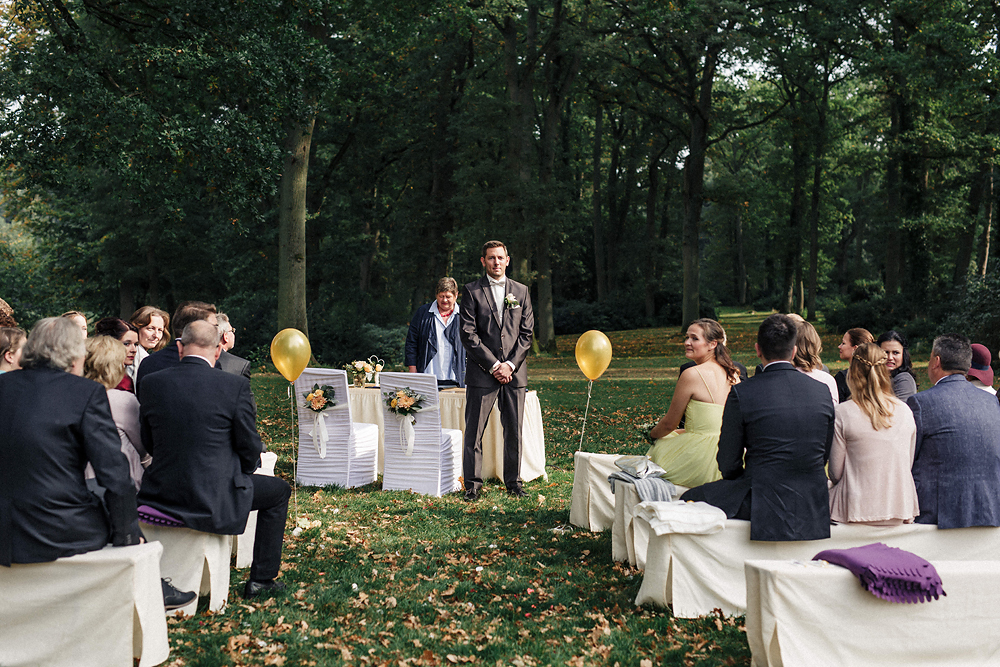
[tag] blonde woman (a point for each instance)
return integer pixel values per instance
(807, 349)
(105, 363)
(11, 341)
(873, 446)
(688, 455)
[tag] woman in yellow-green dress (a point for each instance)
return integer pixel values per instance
(688, 455)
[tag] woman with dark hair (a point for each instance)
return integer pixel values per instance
(689, 455)
(129, 336)
(853, 338)
(904, 382)
(11, 341)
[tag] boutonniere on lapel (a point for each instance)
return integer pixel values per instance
(510, 301)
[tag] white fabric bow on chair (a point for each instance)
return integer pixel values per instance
(406, 432)
(318, 433)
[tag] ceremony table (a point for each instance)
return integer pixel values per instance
(699, 573)
(813, 614)
(98, 608)
(366, 407)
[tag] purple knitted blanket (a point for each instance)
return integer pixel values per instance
(154, 516)
(889, 573)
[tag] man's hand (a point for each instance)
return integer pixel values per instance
(503, 373)
(411, 369)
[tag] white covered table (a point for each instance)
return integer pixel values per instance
(699, 573)
(812, 614)
(98, 608)
(366, 407)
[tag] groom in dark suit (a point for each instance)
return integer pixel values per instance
(777, 428)
(199, 426)
(496, 328)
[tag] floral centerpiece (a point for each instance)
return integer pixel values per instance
(360, 371)
(378, 365)
(404, 404)
(318, 400)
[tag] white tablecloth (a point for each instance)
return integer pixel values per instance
(592, 505)
(100, 608)
(366, 407)
(629, 538)
(699, 573)
(814, 614)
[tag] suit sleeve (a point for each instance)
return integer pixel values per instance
(914, 406)
(524, 334)
(412, 338)
(731, 447)
(246, 441)
(478, 352)
(103, 448)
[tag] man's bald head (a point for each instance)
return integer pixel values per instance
(200, 338)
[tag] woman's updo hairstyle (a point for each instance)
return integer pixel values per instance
(714, 333)
(871, 388)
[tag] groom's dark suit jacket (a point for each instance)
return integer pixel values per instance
(777, 428)
(53, 424)
(484, 339)
(199, 426)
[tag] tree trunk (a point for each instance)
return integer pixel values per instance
(652, 233)
(793, 239)
(292, 227)
(967, 237)
(126, 298)
(814, 235)
(596, 216)
(989, 206)
(741, 265)
(694, 187)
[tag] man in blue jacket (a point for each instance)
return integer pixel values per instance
(432, 343)
(956, 466)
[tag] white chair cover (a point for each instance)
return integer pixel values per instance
(194, 561)
(351, 450)
(435, 464)
(98, 608)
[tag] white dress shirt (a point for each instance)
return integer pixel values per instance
(499, 290)
(441, 365)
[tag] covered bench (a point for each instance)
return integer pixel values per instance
(101, 608)
(813, 614)
(699, 573)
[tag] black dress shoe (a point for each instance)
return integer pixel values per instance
(517, 492)
(173, 598)
(471, 495)
(255, 588)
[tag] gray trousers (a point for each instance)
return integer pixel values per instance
(479, 403)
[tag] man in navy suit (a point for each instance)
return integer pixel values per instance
(496, 328)
(956, 466)
(199, 426)
(777, 428)
(55, 422)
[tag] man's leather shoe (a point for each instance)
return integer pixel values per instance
(517, 492)
(471, 495)
(255, 588)
(173, 598)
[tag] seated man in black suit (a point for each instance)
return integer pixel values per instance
(777, 428)
(55, 422)
(198, 425)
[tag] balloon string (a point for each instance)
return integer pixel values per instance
(587, 409)
(295, 453)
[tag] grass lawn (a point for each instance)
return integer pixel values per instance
(392, 578)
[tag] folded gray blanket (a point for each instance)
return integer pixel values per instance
(649, 488)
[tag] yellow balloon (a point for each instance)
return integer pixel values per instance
(290, 352)
(593, 354)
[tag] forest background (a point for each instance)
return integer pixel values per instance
(320, 164)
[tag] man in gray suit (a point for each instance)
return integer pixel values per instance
(229, 362)
(956, 466)
(496, 328)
